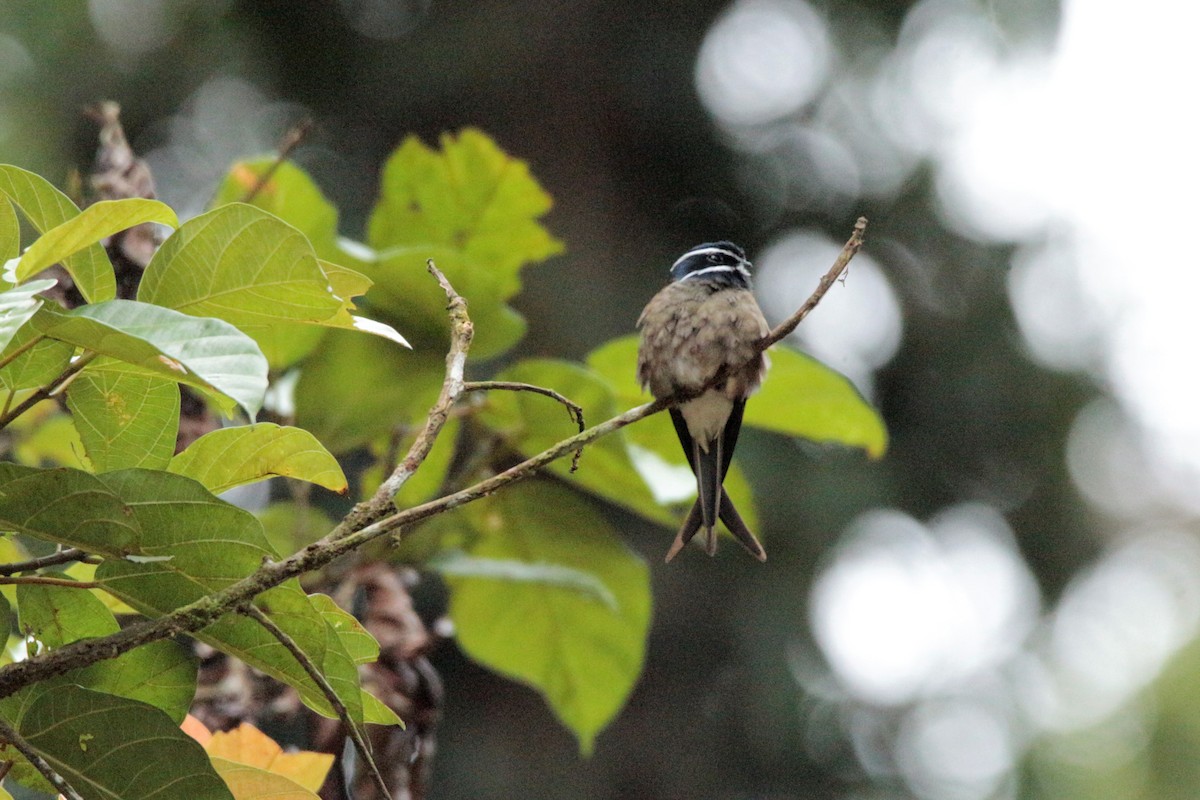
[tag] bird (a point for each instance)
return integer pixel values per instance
(703, 324)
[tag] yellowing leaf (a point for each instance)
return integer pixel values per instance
(251, 783)
(248, 746)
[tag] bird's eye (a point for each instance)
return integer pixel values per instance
(713, 258)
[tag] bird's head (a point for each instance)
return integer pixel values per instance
(714, 262)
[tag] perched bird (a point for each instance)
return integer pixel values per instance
(704, 323)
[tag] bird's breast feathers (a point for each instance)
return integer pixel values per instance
(690, 331)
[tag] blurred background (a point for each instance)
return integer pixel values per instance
(1008, 604)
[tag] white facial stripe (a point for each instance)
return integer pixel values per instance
(703, 251)
(739, 268)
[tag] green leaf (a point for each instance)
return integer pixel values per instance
(583, 656)
(240, 264)
(245, 266)
(125, 419)
(46, 208)
(187, 544)
(229, 457)
(112, 748)
(10, 232)
(803, 397)
(56, 615)
(91, 225)
(162, 674)
(460, 565)
(331, 402)
(533, 423)
(474, 210)
(36, 365)
(359, 644)
(289, 194)
(17, 306)
(206, 353)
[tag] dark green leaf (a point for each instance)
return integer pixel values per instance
(162, 674)
(112, 748)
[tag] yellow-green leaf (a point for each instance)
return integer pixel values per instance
(582, 655)
(46, 207)
(229, 457)
(94, 223)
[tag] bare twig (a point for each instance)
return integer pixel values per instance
(360, 744)
(462, 331)
(54, 559)
(574, 411)
(852, 246)
(353, 533)
(290, 141)
(35, 580)
(40, 764)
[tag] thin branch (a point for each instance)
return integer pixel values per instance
(852, 246)
(290, 141)
(24, 748)
(574, 411)
(348, 536)
(462, 331)
(360, 744)
(49, 390)
(54, 559)
(35, 580)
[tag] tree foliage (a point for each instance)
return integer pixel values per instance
(262, 294)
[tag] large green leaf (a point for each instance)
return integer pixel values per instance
(162, 674)
(170, 542)
(473, 209)
(112, 748)
(207, 353)
(125, 419)
(533, 423)
(582, 655)
(250, 268)
(46, 208)
(93, 224)
(240, 264)
(229, 457)
(17, 306)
